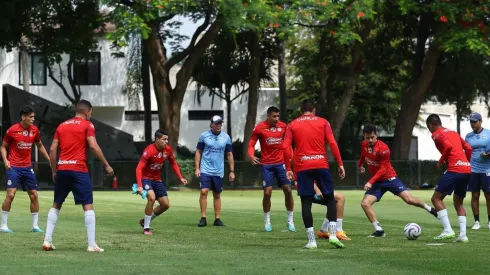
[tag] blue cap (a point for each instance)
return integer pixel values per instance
(216, 119)
(475, 117)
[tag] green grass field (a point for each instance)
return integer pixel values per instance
(178, 246)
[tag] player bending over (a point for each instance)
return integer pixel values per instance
(148, 177)
(270, 134)
(383, 178)
(455, 152)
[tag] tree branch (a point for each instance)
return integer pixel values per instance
(65, 92)
(239, 94)
(69, 66)
(310, 26)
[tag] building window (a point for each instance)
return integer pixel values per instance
(37, 69)
(87, 70)
(204, 114)
(139, 115)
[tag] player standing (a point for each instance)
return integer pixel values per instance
(148, 175)
(71, 173)
(455, 153)
(310, 134)
(210, 167)
(18, 141)
(479, 140)
(270, 133)
(383, 178)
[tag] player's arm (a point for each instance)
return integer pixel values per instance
(3, 150)
(41, 149)
(446, 146)
(53, 151)
(198, 155)
(251, 147)
(231, 161)
(175, 166)
(384, 163)
(94, 147)
(288, 141)
(467, 148)
(139, 169)
(361, 158)
(333, 144)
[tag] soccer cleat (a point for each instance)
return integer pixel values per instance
(95, 248)
(445, 236)
(476, 226)
(218, 222)
(48, 246)
(342, 235)
(291, 227)
(322, 235)
(147, 231)
(37, 230)
(310, 245)
(202, 222)
(6, 230)
(335, 242)
(268, 227)
(461, 239)
(135, 191)
(433, 211)
(378, 233)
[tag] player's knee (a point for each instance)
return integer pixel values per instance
(151, 200)
(476, 196)
(204, 192)
(10, 197)
(267, 193)
(339, 198)
(216, 195)
(33, 196)
(365, 204)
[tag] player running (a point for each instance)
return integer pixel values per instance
(210, 167)
(148, 176)
(310, 134)
(270, 134)
(70, 174)
(18, 141)
(479, 140)
(383, 178)
(455, 178)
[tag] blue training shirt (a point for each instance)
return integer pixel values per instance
(213, 148)
(480, 143)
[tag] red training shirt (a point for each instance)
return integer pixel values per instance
(271, 140)
(151, 162)
(19, 141)
(378, 161)
(454, 149)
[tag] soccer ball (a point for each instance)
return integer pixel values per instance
(412, 231)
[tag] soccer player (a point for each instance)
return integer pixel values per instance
(479, 140)
(310, 134)
(71, 172)
(455, 153)
(270, 134)
(209, 163)
(383, 178)
(340, 204)
(148, 176)
(18, 141)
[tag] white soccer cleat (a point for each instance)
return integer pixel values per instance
(310, 245)
(462, 239)
(95, 248)
(476, 226)
(48, 246)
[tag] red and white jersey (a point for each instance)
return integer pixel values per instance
(271, 140)
(72, 136)
(19, 141)
(377, 158)
(151, 163)
(455, 151)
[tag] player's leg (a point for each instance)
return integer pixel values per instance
(396, 187)
(370, 197)
(150, 203)
(487, 199)
(30, 184)
(267, 180)
(162, 198)
(474, 186)
(460, 190)
(306, 193)
(217, 188)
(282, 179)
(205, 185)
(445, 186)
(12, 181)
(340, 201)
(325, 184)
(62, 187)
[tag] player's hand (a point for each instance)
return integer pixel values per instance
(7, 165)
(362, 169)
(341, 172)
(255, 160)
(290, 175)
(320, 195)
(367, 186)
(140, 190)
(439, 164)
(232, 176)
(197, 173)
(109, 170)
(184, 181)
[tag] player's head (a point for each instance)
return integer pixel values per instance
(27, 115)
(475, 121)
(433, 122)
(272, 115)
(216, 123)
(370, 134)
(84, 108)
(161, 138)
(307, 106)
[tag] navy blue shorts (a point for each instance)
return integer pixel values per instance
(451, 181)
(306, 179)
(214, 183)
(479, 181)
(274, 171)
(156, 186)
(23, 176)
(78, 183)
(379, 188)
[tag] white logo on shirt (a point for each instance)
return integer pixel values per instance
(462, 163)
(147, 186)
(273, 140)
(312, 157)
(156, 166)
(159, 155)
(9, 182)
(25, 133)
(372, 162)
(24, 145)
(61, 162)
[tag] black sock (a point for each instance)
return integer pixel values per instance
(488, 218)
(477, 218)
(306, 203)
(331, 207)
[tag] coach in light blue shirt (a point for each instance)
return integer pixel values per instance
(479, 141)
(210, 167)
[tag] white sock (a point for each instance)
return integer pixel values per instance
(90, 225)
(339, 225)
(147, 222)
(51, 223)
(311, 235)
(35, 217)
(153, 216)
(324, 225)
(442, 215)
(427, 207)
(377, 226)
(462, 225)
(267, 217)
(5, 215)
(332, 228)
(290, 216)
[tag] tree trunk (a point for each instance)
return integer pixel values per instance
(412, 100)
(459, 115)
(146, 90)
(25, 69)
(322, 74)
(330, 92)
(283, 105)
(228, 117)
(253, 92)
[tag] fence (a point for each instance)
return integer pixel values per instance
(412, 173)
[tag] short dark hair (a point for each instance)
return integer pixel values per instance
(82, 106)
(433, 120)
(26, 110)
(272, 109)
(160, 133)
(307, 106)
(369, 128)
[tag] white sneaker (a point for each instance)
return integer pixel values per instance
(476, 226)
(310, 245)
(95, 248)
(48, 246)
(462, 239)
